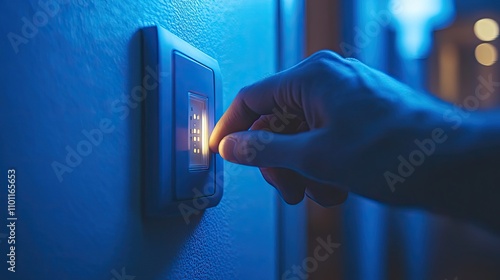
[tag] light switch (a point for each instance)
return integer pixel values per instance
(180, 112)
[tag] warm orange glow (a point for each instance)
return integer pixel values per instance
(486, 54)
(449, 66)
(204, 136)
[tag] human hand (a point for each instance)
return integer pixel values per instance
(316, 128)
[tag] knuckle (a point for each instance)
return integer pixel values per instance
(323, 62)
(241, 93)
(325, 54)
(352, 59)
(324, 57)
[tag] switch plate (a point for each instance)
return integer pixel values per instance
(181, 174)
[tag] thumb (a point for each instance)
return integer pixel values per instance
(264, 149)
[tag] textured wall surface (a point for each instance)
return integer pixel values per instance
(66, 76)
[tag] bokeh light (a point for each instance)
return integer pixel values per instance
(486, 54)
(486, 29)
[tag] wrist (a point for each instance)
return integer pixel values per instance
(462, 175)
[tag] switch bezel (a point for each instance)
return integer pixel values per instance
(170, 188)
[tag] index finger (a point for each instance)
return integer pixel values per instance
(249, 104)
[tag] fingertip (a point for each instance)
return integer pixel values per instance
(292, 198)
(326, 196)
(213, 144)
(216, 138)
(226, 148)
(287, 183)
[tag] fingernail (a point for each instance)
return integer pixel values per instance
(226, 149)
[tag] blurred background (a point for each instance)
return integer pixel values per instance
(445, 47)
(66, 64)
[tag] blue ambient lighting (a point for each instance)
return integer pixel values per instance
(414, 22)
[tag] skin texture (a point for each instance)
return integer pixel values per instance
(329, 126)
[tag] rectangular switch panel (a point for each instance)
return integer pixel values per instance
(182, 175)
(198, 137)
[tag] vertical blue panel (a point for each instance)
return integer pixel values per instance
(365, 221)
(292, 224)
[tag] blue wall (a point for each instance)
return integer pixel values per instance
(64, 79)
